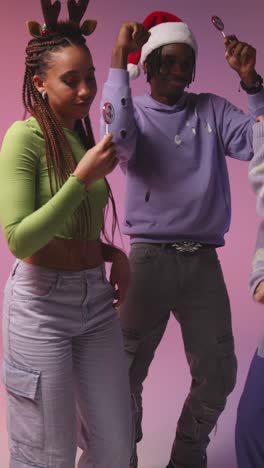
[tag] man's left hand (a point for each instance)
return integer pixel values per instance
(120, 276)
(242, 58)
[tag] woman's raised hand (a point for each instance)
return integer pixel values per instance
(97, 161)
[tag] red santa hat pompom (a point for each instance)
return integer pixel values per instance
(165, 28)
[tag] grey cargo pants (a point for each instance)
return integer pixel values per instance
(191, 285)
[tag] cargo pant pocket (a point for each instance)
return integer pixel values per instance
(25, 413)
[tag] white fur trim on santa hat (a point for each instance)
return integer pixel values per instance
(168, 33)
(133, 70)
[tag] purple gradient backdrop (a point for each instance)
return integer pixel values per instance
(169, 380)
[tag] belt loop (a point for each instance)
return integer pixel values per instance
(13, 272)
(103, 273)
(58, 280)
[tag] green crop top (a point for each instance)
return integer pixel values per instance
(29, 215)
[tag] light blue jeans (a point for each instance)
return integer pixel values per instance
(63, 357)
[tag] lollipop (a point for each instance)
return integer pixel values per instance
(218, 23)
(108, 114)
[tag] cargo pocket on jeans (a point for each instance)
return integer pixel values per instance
(25, 415)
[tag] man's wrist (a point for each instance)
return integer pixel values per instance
(252, 84)
(119, 57)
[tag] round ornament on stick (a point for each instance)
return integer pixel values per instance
(108, 113)
(218, 24)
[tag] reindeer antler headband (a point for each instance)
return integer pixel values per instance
(51, 13)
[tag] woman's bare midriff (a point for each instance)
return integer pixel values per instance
(68, 255)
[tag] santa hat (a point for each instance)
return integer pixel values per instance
(165, 28)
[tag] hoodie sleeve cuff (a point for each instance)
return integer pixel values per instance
(258, 129)
(256, 103)
(119, 77)
(255, 278)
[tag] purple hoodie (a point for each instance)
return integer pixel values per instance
(177, 185)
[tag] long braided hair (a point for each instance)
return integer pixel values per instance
(60, 159)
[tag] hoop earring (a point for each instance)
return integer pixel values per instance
(44, 95)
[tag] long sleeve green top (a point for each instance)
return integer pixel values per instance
(30, 216)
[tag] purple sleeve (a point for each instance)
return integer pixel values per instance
(116, 91)
(256, 178)
(235, 126)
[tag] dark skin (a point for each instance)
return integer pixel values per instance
(176, 69)
(175, 73)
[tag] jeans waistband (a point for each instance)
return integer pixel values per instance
(91, 273)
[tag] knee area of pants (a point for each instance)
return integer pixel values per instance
(225, 380)
(120, 439)
(131, 346)
(131, 341)
(120, 449)
(220, 388)
(227, 368)
(230, 376)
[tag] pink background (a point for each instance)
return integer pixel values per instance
(168, 381)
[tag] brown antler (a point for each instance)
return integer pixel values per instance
(50, 12)
(77, 9)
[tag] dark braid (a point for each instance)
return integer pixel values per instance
(87, 135)
(60, 159)
(154, 63)
(115, 222)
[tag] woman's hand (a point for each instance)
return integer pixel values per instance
(120, 276)
(97, 161)
(120, 270)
